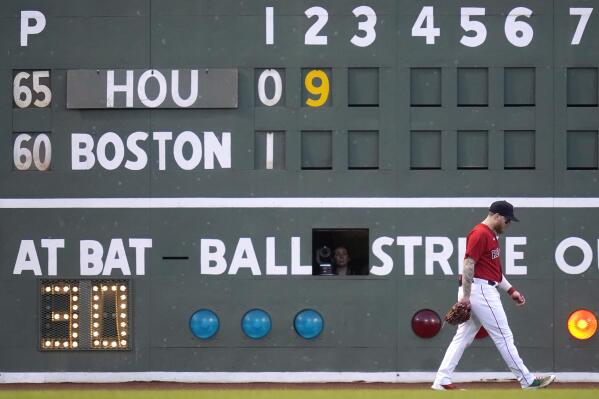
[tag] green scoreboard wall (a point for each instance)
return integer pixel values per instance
(164, 157)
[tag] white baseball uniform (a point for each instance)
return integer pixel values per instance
(487, 310)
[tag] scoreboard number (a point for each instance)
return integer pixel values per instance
(585, 14)
(365, 26)
(321, 91)
(84, 315)
(472, 26)
(426, 16)
(25, 84)
(519, 33)
(313, 37)
(32, 153)
(275, 76)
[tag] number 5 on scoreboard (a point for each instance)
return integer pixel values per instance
(317, 87)
(32, 87)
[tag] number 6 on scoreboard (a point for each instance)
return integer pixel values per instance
(28, 89)
(25, 153)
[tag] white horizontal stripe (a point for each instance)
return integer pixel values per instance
(292, 202)
(283, 377)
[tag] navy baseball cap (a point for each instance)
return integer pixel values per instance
(503, 208)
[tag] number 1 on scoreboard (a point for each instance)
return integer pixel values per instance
(270, 22)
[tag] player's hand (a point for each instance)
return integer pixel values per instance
(465, 301)
(518, 298)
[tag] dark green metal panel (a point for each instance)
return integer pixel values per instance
(404, 119)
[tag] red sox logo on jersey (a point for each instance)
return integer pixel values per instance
(495, 253)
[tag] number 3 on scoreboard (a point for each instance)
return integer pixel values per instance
(314, 37)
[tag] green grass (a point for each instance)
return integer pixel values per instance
(298, 394)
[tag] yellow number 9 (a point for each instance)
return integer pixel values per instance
(321, 91)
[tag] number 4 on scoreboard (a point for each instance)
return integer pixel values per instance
(429, 31)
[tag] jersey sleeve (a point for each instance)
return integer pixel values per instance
(475, 245)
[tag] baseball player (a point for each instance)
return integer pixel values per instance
(481, 278)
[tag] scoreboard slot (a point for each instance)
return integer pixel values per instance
(317, 150)
(582, 87)
(473, 87)
(425, 87)
(473, 149)
(582, 149)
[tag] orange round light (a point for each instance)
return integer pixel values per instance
(582, 324)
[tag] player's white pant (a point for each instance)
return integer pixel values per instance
(488, 311)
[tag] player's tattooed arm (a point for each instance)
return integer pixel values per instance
(467, 277)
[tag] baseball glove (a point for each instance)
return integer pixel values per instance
(458, 314)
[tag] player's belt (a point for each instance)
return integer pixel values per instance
(479, 281)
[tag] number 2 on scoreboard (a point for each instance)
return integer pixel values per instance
(314, 37)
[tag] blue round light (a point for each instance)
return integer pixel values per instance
(308, 324)
(256, 324)
(204, 323)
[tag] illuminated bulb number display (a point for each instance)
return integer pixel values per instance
(84, 314)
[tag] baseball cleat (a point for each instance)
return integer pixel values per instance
(446, 387)
(541, 382)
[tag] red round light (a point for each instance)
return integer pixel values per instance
(426, 323)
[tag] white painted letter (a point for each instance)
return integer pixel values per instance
(111, 89)
(193, 94)
(440, 257)
(53, 245)
(27, 259)
(26, 29)
(387, 262)
(82, 158)
(409, 242)
(297, 269)
(218, 257)
(214, 147)
(162, 138)
(116, 258)
(271, 265)
(245, 257)
(196, 150)
(142, 157)
(140, 245)
(581, 244)
(119, 151)
(511, 256)
(90, 253)
(141, 88)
